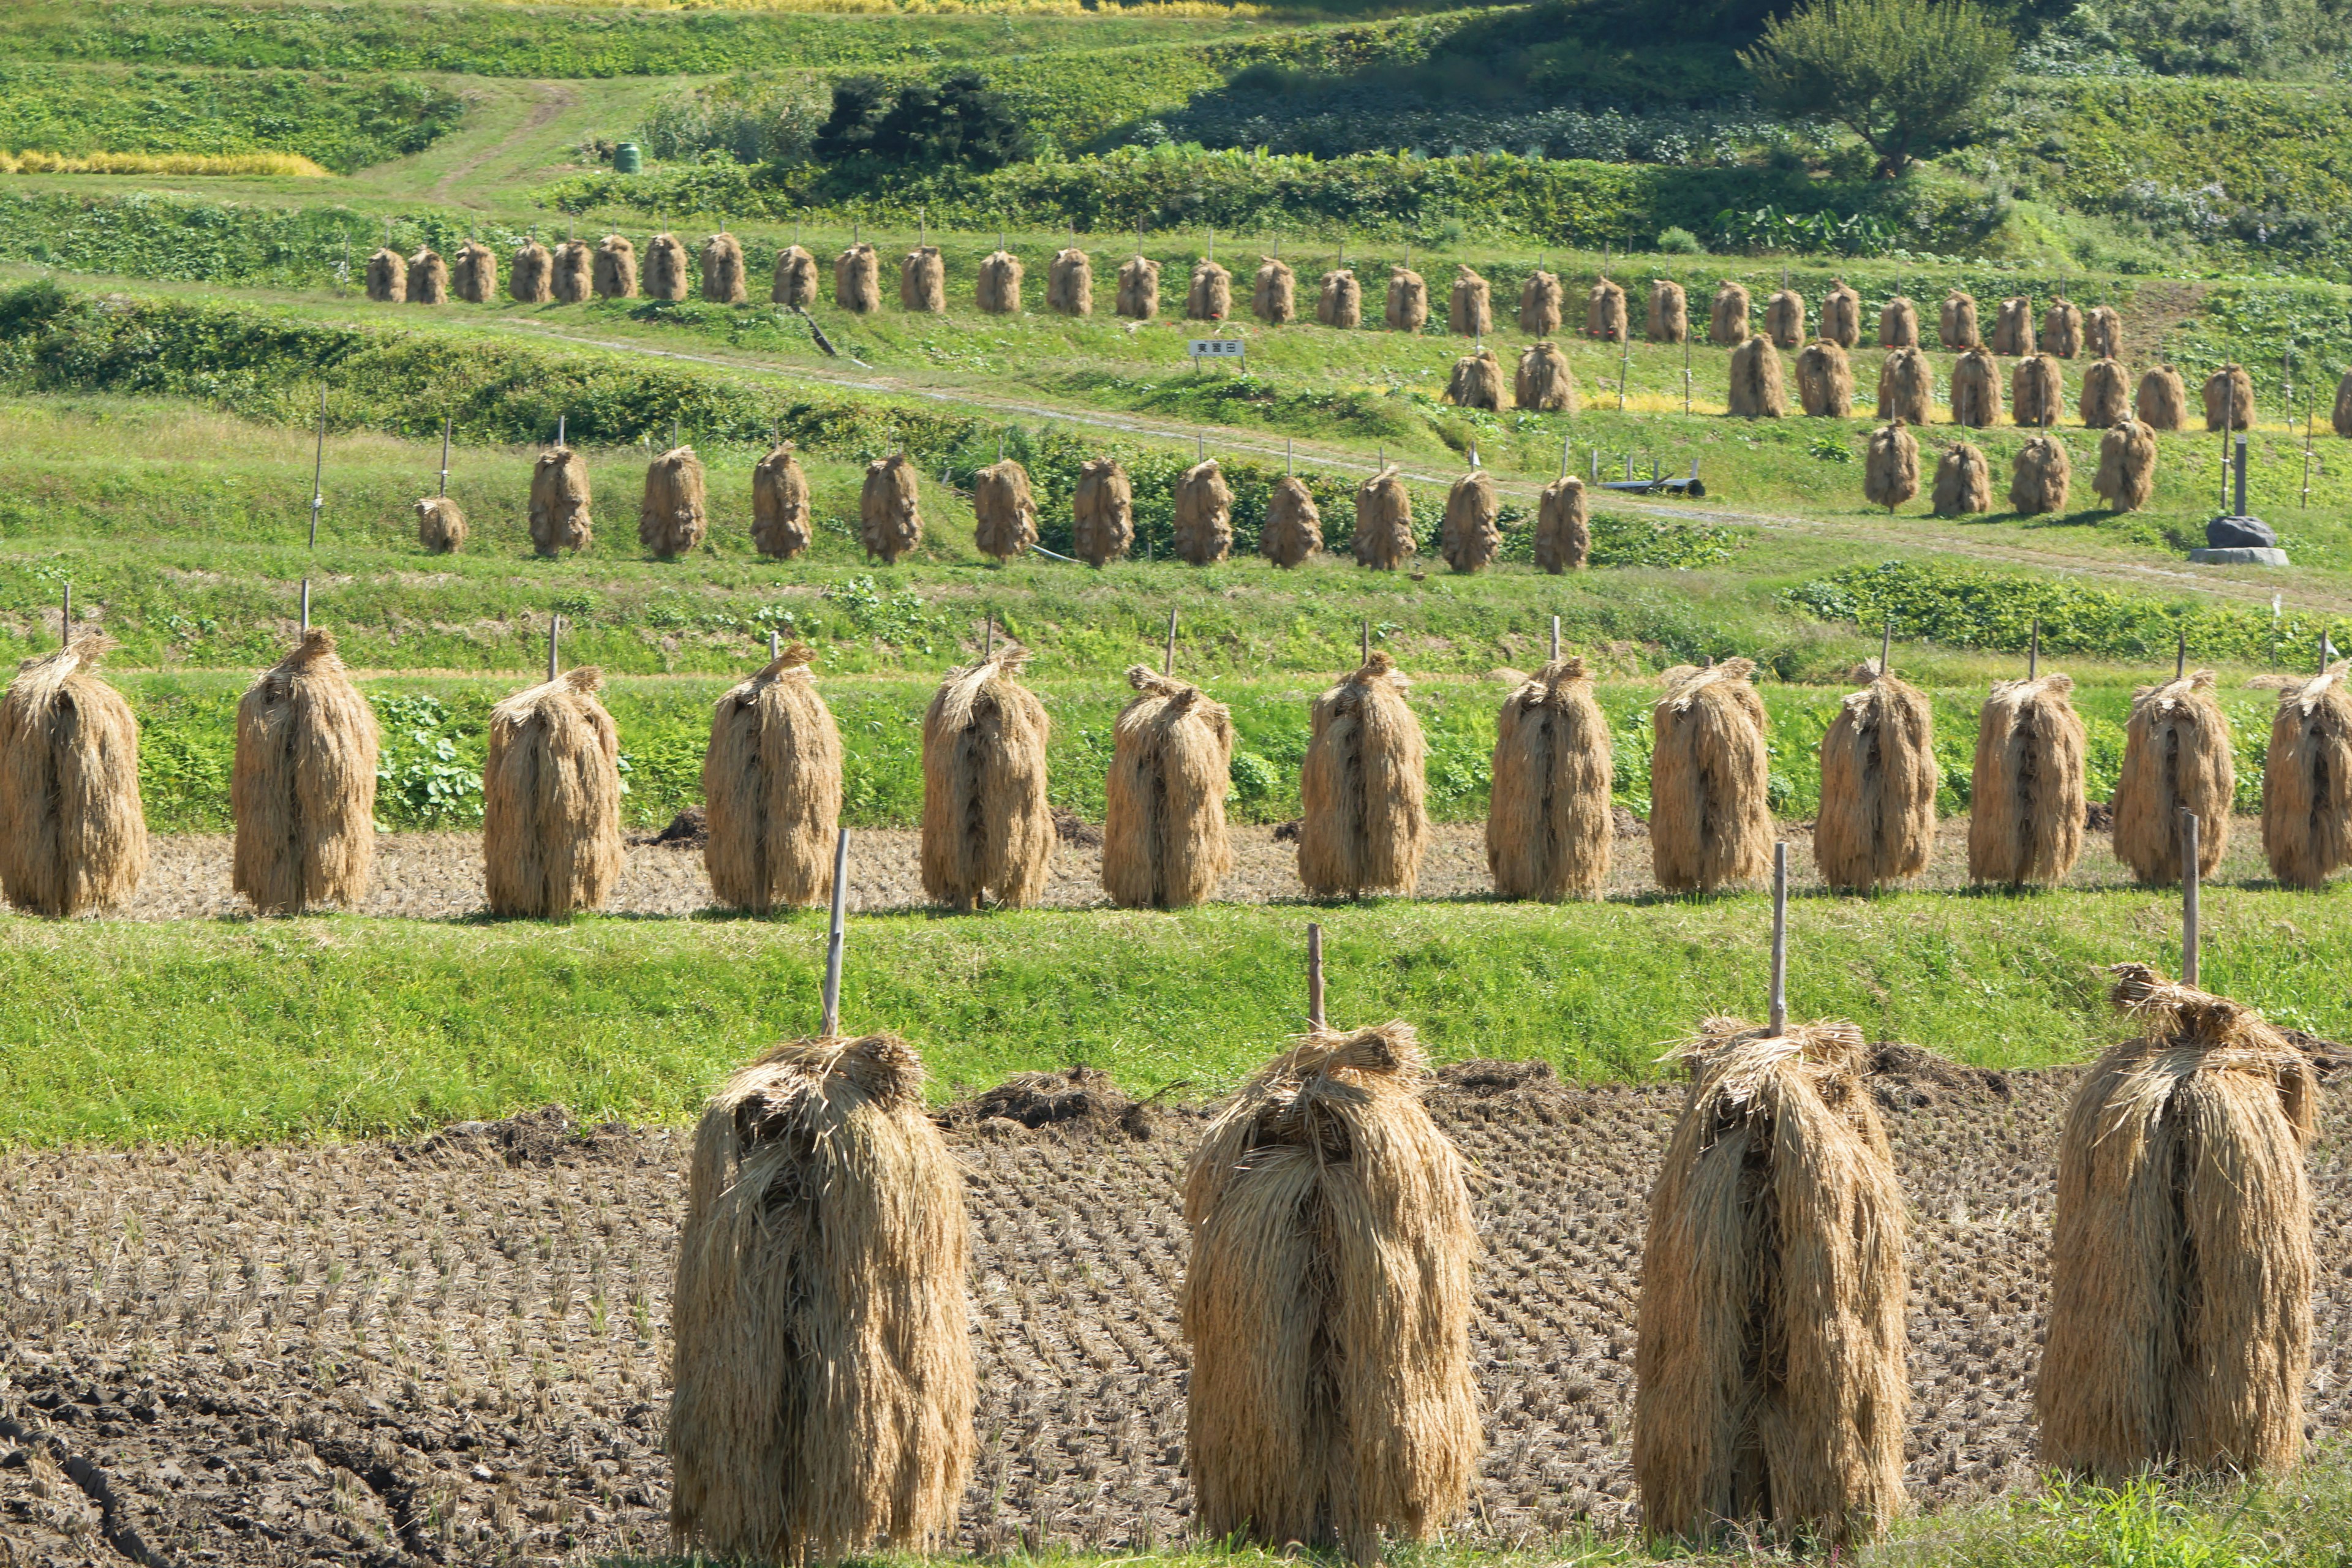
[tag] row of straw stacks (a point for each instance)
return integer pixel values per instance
(1906, 383)
(2041, 472)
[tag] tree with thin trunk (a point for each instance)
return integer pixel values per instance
(1908, 77)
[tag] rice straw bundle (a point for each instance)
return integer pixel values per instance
(771, 789)
(1879, 777)
(1709, 765)
(2025, 813)
(1102, 511)
(822, 1349)
(1548, 822)
(2340, 417)
(2181, 1245)
(667, 271)
(997, 287)
(1825, 380)
(1727, 325)
(2037, 392)
(1907, 386)
(387, 277)
(2230, 399)
(428, 279)
(2062, 330)
(1770, 1382)
(1274, 292)
(440, 525)
(1756, 389)
(530, 276)
(1469, 539)
(303, 791)
(1842, 315)
(1164, 844)
(73, 837)
(1898, 324)
(675, 513)
(1004, 515)
(2162, 401)
(2126, 476)
(1138, 288)
(1469, 308)
(1956, 321)
(2105, 399)
(1963, 481)
(923, 281)
(2012, 329)
(614, 270)
(2307, 780)
(794, 284)
(1669, 312)
(1293, 533)
(1563, 527)
(572, 281)
(1070, 283)
(889, 508)
(2103, 332)
(558, 502)
(987, 830)
(1341, 301)
(2177, 758)
(1363, 825)
(2039, 476)
(782, 525)
(1975, 390)
(1205, 514)
(857, 279)
(1384, 520)
(1890, 474)
(1539, 301)
(1210, 297)
(474, 278)
(1408, 301)
(1476, 381)
(1784, 319)
(1327, 1304)
(1604, 311)
(552, 800)
(1543, 383)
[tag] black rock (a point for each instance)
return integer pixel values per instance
(2240, 533)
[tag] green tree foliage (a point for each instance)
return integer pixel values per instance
(1909, 77)
(956, 120)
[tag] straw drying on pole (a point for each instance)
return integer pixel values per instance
(2026, 795)
(724, 279)
(675, 512)
(1710, 826)
(1727, 326)
(1102, 512)
(1203, 528)
(303, 789)
(1384, 520)
(1963, 481)
(1293, 533)
(2013, 328)
(572, 279)
(1956, 321)
(1975, 390)
(2230, 399)
(1476, 381)
(531, 274)
(1824, 381)
(1542, 383)
(1907, 386)
(1004, 514)
(1364, 824)
(781, 524)
(1138, 288)
(793, 282)
(1669, 312)
(1164, 841)
(1605, 316)
(1784, 319)
(2177, 758)
(2126, 476)
(889, 508)
(2062, 330)
(1842, 315)
(2307, 780)
(428, 279)
(1539, 302)
(474, 278)
(551, 799)
(387, 277)
(1898, 324)
(987, 830)
(1274, 292)
(771, 789)
(614, 271)
(1469, 538)
(668, 270)
(1757, 392)
(559, 501)
(2340, 416)
(1469, 307)
(1563, 526)
(1890, 474)
(1209, 297)
(1879, 777)
(2103, 332)
(1340, 302)
(2039, 476)
(1408, 301)
(440, 524)
(1070, 282)
(858, 279)
(1548, 822)
(2037, 392)
(2162, 401)
(996, 288)
(73, 837)
(923, 281)
(2105, 399)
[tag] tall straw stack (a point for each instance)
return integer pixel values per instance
(1563, 526)
(1539, 302)
(1138, 288)
(2230, 399)
(2126, 476)
(1784, 319)
(1204, 532)
(2180, 1246)
(1340, 302)
(2026, 795)
(440, 525)
(1898, 324)
(1879, 777)
(558, 502)
(1963, 481)
(1756, 389)
(1070, 283)
(2106, 398)
(675, 511)
(996, 288)
(889, 508)
(821, 1358)
(303, 790)
(2103, 332)
(73, 837)
(1669, 312)
(1842, 315)
(1543, 383)
(723, 273)
(1890, 473)
(771, 789)
(1469, 538)
(669, 272)
(987, 830)
(2307, 780)
(572, 279)
(1769, 1379)
(1102, 512)
(1825, 380)
(1907, 386)
(1975, 390)
(1956, 321)
(1327, 1304)
(2162, 401)
(794, 284)
(857, 279)
(1274, 292)
(2037, 392)
(2340, 417)
(530, 275)
(1469, 307)
(1209, 297)
(1548, 822)
(474, 278)
(387, 277)
(1164, 843)
(781, 524)
(2012, 329)
(923, 281)
(613, 271)
(2177, 758)
(1476, 381)
(1364, 824)
(1604, 311)
(2062, 330)
(552, 800)
(2039, 476)
(1727, 322)
(428, 279)
(1293, 533)
(1004, 514)
(1710, 825)
(1384, 520)
(1408, 301)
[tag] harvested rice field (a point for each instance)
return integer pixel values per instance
(454, 1350)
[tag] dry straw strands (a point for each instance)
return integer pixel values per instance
(1364, 826)
(1469, 539)
(1408, 301)
(1469, 307)
(782, 525)
(2103, 332)
(1384, 520)
(1293, 532)
(1756, 389)
(724, 279)
(1543, 381)
(530, 275)
(675, 511)
(1070, 283)
(1548, 823)
(794, 284)
(1205, 514)
(1604, 311)
(1004, 515)
(1907, 386)
(387, 277)
(1138, 288)
(1341, 301)
(1975, 390)
(558, 502)
(2037, 392)
(857, 279)
(2012, 329)
(552, 800)
(1669, 313)
(1879, 777)
(923, 281)
(2180, 1246)
(1890, 474)
(1842, 315)
(440, 526)
(73, 839)
(2062, 330)
(1476, 381)
(2039, 476)
(1963, 481)
(1103, 511)
(2106, 398)
(474, 278)
(1274, 292)
(1956, 321)
(2307, 780)
(822, 1362)
(2126, 476)
(573, 281)
(1825, 380)
(303, 791)
(2177, 758)
(996, 288)
(1709, 824)
(2025, 817)
(666, 268)
(1327, 1304)
(2230, 399)
(615, 268)
(1539, 301)
(889, 508)
(771, 789)
(1726, 323)
(1164, 844)
(1777, 1221)
(1563, 526)
(2162, 401)
(1784, 319)
(1209, 297)
(428, 279)
(1898, 324)
(987, 830)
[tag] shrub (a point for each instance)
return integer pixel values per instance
(1908, 77)
(1675, 240)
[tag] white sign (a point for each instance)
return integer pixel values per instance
(1216, 348)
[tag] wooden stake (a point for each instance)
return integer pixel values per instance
(1624, 363)
(1555, 639)
(988, 649)
(1315, 978)
(1367, 649)
(1779, 1020)
(65, 620)
(445, 454)
(2033, 652)
(833, 935)
(1886, 646)
(560, 420)
(1687, 366)
(2181, 657)
(775, 644)
(2188, 897)
(319, 471)
(1167, 665)
(306, 606)
(554, 634)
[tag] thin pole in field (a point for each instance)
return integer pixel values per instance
(319, 471)
(834, 936)
(1779, 1019)
(306, 606)
(554, 636)
(1315, 978)
(2188, 897)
